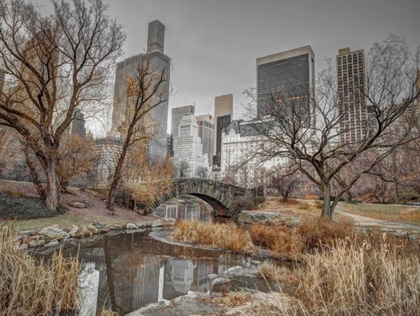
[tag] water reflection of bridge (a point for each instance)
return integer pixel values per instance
(181, 211)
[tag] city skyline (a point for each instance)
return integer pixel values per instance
(214, 44)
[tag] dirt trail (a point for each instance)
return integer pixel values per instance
(367, 221)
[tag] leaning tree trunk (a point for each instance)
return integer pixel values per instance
(326, 209)
(34, 175)
(52, 193)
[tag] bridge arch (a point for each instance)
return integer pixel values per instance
(221, 196)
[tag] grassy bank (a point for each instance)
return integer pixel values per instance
(30, 288)
(393, 213)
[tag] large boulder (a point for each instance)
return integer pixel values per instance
(53, 232)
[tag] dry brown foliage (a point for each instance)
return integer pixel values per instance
(228, 236)
(291, 242)
(76, 158)
(152, 178)
(31, 288)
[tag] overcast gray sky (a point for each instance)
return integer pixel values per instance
(214, 43)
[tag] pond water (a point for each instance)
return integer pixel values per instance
(127, 271)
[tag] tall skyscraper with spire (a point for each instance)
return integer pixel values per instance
(125, 70)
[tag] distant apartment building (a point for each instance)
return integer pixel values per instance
(108, 150)
(223, 115)
(206, 133)
(177, 115)
(287, 78)
(241, 162)
(188, 150)
(125, 71)
(351, 82)
(78, 124)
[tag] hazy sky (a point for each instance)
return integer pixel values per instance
(214, 44)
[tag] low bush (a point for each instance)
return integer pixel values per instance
(31, 288)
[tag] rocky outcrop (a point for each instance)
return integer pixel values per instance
(270, 217)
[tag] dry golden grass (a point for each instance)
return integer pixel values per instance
(367, 280)
(292, 243)
(31, 288)
(228, 236)
(108, 312)
(353, 277)
(232, 299)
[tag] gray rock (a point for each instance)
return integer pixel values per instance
(141, 225)
(399, 232)
(114, 226)
(220, 284)
(98, 225)
(53, 232)
(52, 243)
(92, 229)
(294, 222)
(17, 238)
(28, 232)
(131, 226)
(79, 205)
(73, 231)
(157, 223)
(23, 247)
(173, 220)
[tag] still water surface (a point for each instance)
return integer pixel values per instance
(127, 271)
(130, 270)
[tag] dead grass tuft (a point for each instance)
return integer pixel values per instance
(31, 288)
(14, 192)
(228, 236)
(108, 312)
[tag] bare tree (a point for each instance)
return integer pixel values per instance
(202, 172)
(284, 180)
(183, 169)
(316, 147)
(55, 64)
(145, 91)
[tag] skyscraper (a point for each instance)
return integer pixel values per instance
(188, 149)
(223, 115)
(351, 101)
(206, 133)
(124, 74)
(291, 73)
(78, 124)
(177, 115)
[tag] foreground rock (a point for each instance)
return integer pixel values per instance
(53, 232)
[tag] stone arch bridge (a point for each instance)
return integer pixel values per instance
(226, 199)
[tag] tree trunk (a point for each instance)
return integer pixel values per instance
(52, 192)
(326, 209)
(397, 194)
(34, 175)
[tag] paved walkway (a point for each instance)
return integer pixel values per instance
(367, 221)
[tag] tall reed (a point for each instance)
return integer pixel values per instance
(31, 288)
